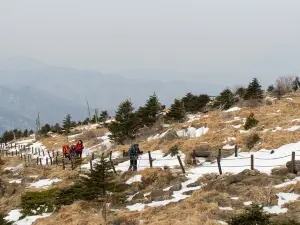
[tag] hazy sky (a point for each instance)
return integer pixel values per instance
(233, 36)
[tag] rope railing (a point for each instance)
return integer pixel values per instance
(44, 157)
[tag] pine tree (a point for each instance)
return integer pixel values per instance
(45, 129)
(240, 92)
(31, 132)
(296, 84)
(99, 182)
(103, 116)
(25, 133)
(150, 112)
(67, 123)
(177, 111)
(56, 128)
(254, 90)
(225, 99)
(126, 123)
(271, 88)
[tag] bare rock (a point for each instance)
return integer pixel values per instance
(291, 176)
(280, 171)
(195, 184)
(138, 196)
(176, 187)
(160, 195)
(297, 165)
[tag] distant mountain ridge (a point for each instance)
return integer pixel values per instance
(55, 91)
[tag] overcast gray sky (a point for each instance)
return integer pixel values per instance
(233, 36)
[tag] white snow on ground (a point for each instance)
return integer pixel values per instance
(237, 126)
(157, 136)
(233, 109)
(247, 203)
(177, 196)
(13, 215)
(13, 169)
(192, 117)
(283, 198)
(192, 132)
(136, 178)
(228, 147)
(294, 120)
(75, 135)
(44, 183)
(29, 220)
(116, 155)
(226, 208)
(297, 179)
(263, 161)
(159, 161)
(19, 181)
(235, 198)
(293, 128)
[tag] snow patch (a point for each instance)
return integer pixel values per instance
(233, 109)
(136, 178)
(45, 183)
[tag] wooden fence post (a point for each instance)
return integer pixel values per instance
(219, 165)
(56, 160)
(47, 161)
(292, 170)
(252, 162)
(39, 152)
(150, 158)
(93, 156)
(51, 161)
(194, 157)
(43, 152)
(91, 165)
(37, 161)
(41, 162)
(235, 151)
(63, 162)
(180, 163)
(111, 162)
(220, 153)
(52, 153)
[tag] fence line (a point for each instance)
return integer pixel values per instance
(26, 154)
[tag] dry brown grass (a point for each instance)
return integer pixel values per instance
(156, 175)
(78, 213)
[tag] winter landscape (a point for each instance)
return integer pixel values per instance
(149, 112)
(201, 161)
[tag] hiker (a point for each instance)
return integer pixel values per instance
(72, 152)
(79, 148)
(66, 151)
(134, 152)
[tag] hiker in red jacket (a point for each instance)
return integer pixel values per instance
(79, 148)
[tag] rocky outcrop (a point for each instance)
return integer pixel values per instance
(297, 165)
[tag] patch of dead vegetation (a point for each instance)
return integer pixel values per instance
(78, 213)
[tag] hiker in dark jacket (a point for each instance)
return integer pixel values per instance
(134, 152)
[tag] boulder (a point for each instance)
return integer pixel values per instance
(281, 171)
(176, 187)
(297, 165)
(138, 196)
(291, 176)
(202, 151)
(195, 184)
(160, 195)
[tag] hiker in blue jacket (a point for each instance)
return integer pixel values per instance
(134, 152)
